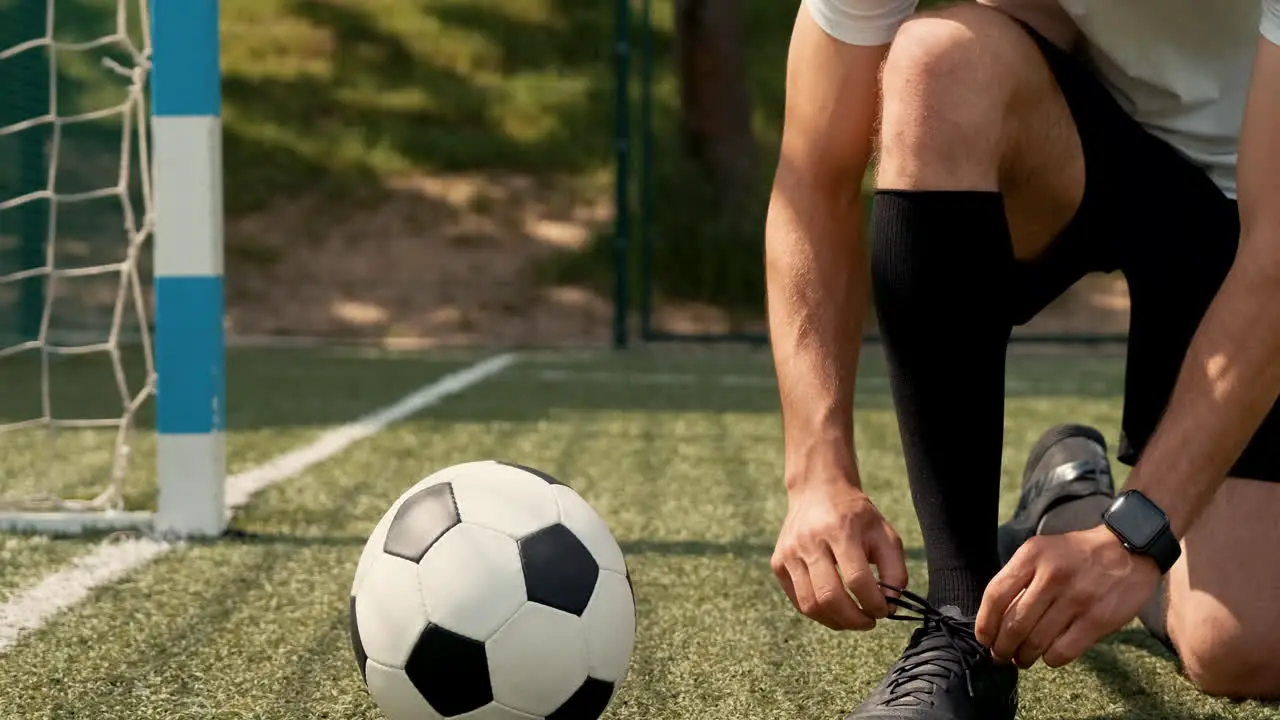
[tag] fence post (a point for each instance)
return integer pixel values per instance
(622, 158)
(646, 174)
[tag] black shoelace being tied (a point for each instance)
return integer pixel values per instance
(942, 648)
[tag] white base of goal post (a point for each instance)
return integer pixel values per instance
(76, 523)
(192, 473)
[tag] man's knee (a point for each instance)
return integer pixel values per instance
(948, 84)
(1222, 658)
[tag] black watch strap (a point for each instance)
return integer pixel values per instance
(1165, 550)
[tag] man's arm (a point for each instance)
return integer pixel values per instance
(816, 264)
(817, 277)
(1231, 376)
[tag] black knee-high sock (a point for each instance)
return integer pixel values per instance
(1085, 513)
(941, 269)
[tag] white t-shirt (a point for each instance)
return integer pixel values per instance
(1181, 68)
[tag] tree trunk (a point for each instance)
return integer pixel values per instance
(716, 102)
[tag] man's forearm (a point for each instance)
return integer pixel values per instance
(816, 268)
(1228, 383)
(816, 271)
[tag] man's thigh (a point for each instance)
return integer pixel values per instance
(1224, 616)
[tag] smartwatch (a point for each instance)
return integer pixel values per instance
(1143, 528)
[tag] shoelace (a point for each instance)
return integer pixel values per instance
(927, 662)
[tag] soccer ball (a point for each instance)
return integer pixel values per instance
(491, 591)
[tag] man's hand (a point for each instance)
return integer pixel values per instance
(1060, 594)
(830, 539)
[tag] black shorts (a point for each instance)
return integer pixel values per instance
(1151, 214)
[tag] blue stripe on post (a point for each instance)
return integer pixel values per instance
(191, 394)
(186, 78)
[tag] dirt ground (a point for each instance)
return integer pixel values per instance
(451, 260)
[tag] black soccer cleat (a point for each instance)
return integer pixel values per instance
(944, 674)
(1068, 462)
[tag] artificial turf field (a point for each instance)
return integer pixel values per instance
(679, 451)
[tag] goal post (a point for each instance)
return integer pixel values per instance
(190, 350)
(162, 308)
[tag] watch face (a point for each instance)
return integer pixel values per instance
(1134, 517)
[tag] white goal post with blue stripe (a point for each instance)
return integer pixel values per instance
(172, 47)
(190, 352)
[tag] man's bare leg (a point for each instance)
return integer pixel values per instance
(1223, 613)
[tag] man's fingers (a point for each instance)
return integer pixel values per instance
(886, 553)
(1055, 621)
(858, 579)
(1001, 591)
(802, 587)
(833, 599)
(1021, 617)
(783, 573)
(793, 576)
(1071, 644)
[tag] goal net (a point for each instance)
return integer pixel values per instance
(77, 369)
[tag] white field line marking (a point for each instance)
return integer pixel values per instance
(241, 487)
(31, 608)
(58, 591)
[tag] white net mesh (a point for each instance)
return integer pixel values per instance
(76, 364)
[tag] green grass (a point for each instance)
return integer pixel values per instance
(83, 387)
(686, 472)
(343, 95)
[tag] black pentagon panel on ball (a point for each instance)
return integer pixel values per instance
(451, 671)
(421, 520)
(559, 571)
(532, 471)
(587, 703)
(361, 657)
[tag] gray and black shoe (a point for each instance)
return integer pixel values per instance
(1067, 462)
(944, 674)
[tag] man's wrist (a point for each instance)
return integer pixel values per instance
(821, 462)
(1164, 494)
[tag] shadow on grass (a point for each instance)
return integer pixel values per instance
(1103, 662)
(291, 388)
(707, 548)
(663, 548)
(1121, 682)
(160, 648)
